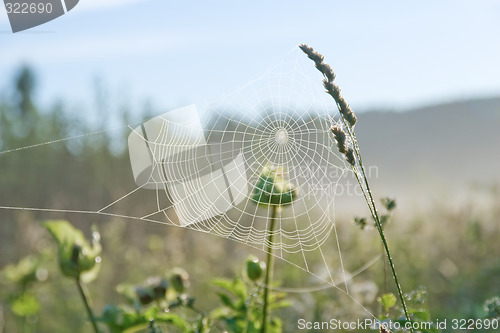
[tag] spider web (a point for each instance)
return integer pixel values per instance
(206, 164)
(202, 166)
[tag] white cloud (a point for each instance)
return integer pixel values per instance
(88, 48)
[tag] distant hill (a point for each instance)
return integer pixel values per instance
(434, 150)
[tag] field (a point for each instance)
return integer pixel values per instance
(440, 168)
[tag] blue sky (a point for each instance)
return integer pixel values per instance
(395, 54)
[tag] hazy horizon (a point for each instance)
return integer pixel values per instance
(385, 55)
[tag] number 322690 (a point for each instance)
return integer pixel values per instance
(28, 8)
(464, 324)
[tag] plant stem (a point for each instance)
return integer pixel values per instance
(87, 306)
(386, 246)
(269, 270)
(373, 210)
(386, 289)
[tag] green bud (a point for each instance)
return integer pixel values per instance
(145, 295)
(255, 268)
(273, 189)
(190, 301)
(77, 259)
(159, 287)
(179, 280)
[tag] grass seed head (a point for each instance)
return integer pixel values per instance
(339, 135)
(326, 70)
(345, 110)
(349, 156)
(332, 89)
(314, 56)
(319, 61)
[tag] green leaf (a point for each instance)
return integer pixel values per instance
(77, 259)
(123, 319)
(24, 272)
(275, 326)
(389, 203)
(224, 284)
(281, 304)
(175, 320)
(240, 325)
(421, 314)
(25, 305)
(361, 222)
(387, 301)
(226, 300)
(128, 291)
(203, 325)
(235, 287)
(222, 313)
(277, 296)
(120, 318)
(240, 289)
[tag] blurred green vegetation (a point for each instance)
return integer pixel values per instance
(454, 253)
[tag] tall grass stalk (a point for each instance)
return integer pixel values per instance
(376, 218)
(350, 150)
(269, 268)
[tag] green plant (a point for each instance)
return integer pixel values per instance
(272, 190)
(81, 261)
(77, 259)
(153, 302)
(492, 308)
(18, 279)
(416, 301)
(243, 304)
(158, 301)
